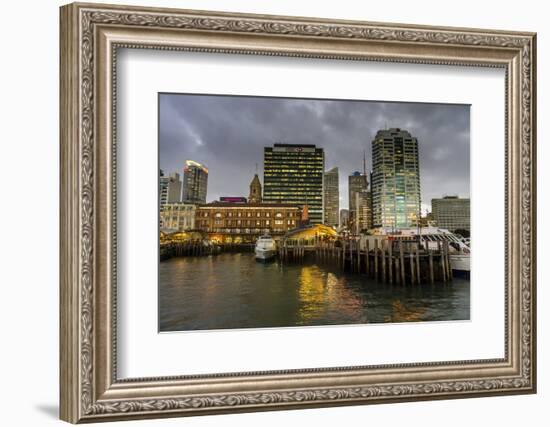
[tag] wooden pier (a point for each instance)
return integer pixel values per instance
(191, 248)
(187, 248)
(401, 262)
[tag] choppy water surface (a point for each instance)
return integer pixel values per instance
(235, 291)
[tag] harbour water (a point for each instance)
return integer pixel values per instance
(234, 291)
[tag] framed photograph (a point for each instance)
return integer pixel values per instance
(266, 212)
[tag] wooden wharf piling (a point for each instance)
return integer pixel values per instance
(390, 262)
(394, 261)
(383, 252)
(375, 259)
(431, 266)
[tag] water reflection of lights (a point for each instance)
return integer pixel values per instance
(322, 292)
(332, 281)
(234, 291)
(312, 293)
(401, 313)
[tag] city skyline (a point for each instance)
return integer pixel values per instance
(228, 134)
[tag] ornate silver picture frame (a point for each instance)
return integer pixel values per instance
(91, 390)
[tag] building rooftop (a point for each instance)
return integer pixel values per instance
(278, 144)
(193, 163)
(453, 197)
(392, 131)
(218, 204)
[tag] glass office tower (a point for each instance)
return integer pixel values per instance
(395, 179)
(195, 182)
(332, 198)
(293, 173)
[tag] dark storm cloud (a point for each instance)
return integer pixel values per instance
(228, 133)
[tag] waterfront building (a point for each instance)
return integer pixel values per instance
(195, 182)
(360, 206)
(344, 218)
(310, 234)
(331, 198)
(170, 188)
(255, 195)
(245, 222)
(293, 173)
(451, 213)
(178, 216)
(395, 179)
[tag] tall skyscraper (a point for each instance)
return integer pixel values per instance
(332, 197)
(357, 183)
(359, 202)
(195, 182)
(395, 179)
(293, 173)
(170, 188)
(255, 195)
(344, 217)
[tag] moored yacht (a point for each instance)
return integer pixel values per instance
(266, 248)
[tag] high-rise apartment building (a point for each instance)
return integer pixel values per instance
(395, 179)
(344, 217)
(170, 188)
(293, 173)
(362, 219)
(331, 197)
(452, 213)
(195, 182)
(359, 202)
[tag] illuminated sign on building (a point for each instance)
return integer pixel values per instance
(233, 199)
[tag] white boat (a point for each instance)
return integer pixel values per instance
(459, 247)
(266, 248)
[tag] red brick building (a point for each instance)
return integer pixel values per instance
(245, 222)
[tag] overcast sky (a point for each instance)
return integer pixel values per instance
(228, 133)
